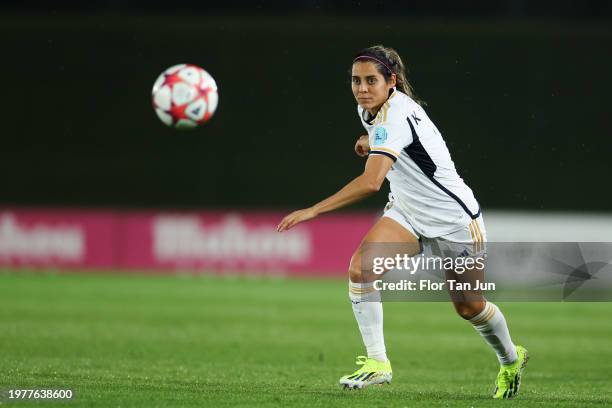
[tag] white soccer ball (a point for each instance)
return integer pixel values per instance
(185, 96)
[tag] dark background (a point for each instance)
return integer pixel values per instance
(521, 93)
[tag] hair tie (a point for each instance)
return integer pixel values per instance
(375, 59)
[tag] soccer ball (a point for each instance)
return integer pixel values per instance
(185, 96)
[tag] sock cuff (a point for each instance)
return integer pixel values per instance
(363, 292)
(487, 314)
(359, 288)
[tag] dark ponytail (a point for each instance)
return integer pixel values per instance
(388, 62)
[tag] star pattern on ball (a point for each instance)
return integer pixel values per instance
(178, 112)
(171, 79)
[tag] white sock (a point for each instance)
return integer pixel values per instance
(491, 324)
(368, 311)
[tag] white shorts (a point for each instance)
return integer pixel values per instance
(471, 238)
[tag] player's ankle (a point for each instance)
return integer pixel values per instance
(381, 358)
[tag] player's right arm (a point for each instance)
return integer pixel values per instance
(364, 185)
(384, 145)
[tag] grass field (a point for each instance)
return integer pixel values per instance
(136, 340)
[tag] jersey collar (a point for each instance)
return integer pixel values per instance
(366, 115)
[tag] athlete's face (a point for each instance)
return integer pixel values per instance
(369, 86)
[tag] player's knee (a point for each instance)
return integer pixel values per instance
(355, 274)
(468, 310)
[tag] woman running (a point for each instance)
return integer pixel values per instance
(429, 202)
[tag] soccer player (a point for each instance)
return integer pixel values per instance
(428, 201)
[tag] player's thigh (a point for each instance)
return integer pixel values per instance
(388, 230)
(386, 239)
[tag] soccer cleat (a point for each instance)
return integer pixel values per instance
(509, 378)
(371, 372)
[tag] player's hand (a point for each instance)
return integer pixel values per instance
(362, 147)
(295, 218)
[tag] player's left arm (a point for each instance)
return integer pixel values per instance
(366, 184)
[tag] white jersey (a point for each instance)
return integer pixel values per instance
(424, 182)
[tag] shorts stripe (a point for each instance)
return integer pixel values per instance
(475, 239)
(477, 227)
(472, 232)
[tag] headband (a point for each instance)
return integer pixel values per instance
(375, 59)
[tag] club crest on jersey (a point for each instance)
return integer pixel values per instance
(380, 135)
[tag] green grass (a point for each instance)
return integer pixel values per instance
(136, 340)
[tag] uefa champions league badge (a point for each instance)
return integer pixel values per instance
(380, 135)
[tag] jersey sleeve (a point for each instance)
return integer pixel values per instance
(389, 139)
